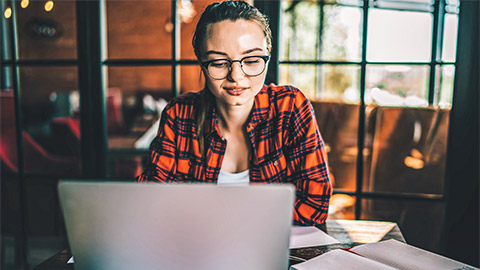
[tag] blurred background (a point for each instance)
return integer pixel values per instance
(83, 84)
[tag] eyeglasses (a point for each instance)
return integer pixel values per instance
(252, 66)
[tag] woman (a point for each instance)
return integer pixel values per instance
(237, 130)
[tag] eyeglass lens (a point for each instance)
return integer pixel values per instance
(251, 66)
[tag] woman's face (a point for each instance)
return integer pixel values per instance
(235, 40)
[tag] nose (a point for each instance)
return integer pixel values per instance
(236, 71)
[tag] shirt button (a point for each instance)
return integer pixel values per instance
(275, 163)
(250, 126)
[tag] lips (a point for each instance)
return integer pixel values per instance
(235, 91)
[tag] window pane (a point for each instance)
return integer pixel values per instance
(300, 31)
(134, 79)
(453, 2)
(135, 99)
(452, 6)
(420, 5)
(47, 35)
(324, 82)
(450, 38)
(420, 222)
(445, 79)
(339, 83)
(191, 79)
(139, 29)
(189, 12)
(342, 34)
(397, 85)
(134, 96)
(409, 150)
(338, 124)
(50, 111)
(399, 36)
(301, 76)
(6, 78)
(38, 83)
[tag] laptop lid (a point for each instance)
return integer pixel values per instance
(119, 225)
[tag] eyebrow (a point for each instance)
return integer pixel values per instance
(222, 53)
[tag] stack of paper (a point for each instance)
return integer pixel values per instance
(388, 255)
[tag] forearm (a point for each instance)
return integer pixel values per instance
(311, 208)
(158, 169)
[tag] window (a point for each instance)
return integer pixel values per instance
(380, 76)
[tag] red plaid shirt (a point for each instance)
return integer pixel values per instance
(286, 148)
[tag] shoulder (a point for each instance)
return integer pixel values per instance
(185, 99)
(282, 90)
(183, 105)
(285, 95)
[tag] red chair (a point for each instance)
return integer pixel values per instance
(36, 159)
(67, 129)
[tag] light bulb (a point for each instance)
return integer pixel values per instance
(24, 3)
(48, 6)
(8, 13)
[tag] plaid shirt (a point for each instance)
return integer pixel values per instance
(286, 148)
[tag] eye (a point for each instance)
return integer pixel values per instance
(219, 64)
(251, 61)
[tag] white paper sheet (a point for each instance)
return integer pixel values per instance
(404, 256)
(309, 236)
(339, 259)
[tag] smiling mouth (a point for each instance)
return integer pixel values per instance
(235, 91)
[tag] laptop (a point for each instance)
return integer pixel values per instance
(124, 225)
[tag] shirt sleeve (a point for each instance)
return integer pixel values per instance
(161, 166)
(308, 165)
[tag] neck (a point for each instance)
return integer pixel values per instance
(233, 117)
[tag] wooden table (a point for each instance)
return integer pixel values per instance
(349, 232)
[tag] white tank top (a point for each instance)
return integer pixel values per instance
(234, 179)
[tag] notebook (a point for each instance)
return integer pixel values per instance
(120, 225)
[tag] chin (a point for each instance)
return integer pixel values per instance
(236, 102)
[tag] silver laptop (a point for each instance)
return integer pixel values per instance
(115, 225)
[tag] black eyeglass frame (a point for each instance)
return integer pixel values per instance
(265, 58)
